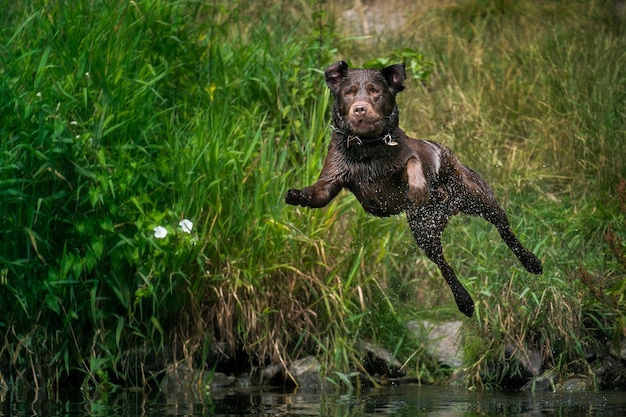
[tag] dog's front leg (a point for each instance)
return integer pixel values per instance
(324, 190)
(315, 196)
(419, 192)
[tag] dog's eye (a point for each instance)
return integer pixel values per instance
(373, 90)
(350, 91)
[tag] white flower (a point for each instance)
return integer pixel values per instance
(186, 225)
(160, 232)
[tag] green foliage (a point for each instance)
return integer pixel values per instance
(531, 95)
(120, 120)
(117, 118)
(90, 103)
(537, 107)
(120, 117)
(417, 66)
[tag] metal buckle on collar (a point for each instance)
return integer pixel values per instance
(353, 138)
(389, 140)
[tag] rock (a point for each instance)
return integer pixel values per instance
(183, 377)
(443, 340)
(306, 372)
(371, 18)
(578, 384)
(546, 382)
(609, 372)
(220, 380)
(244, 381)
(379, 361)
(530, 361)
(268, 375)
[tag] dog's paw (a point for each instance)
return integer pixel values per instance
(532, 263)
(297, 197)
(464, 301)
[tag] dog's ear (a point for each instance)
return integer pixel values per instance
(395, 76)
(334, 74)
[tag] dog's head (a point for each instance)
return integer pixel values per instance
(365, 99)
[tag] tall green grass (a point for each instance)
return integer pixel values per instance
(532, 95)
(552, 90)
(90, 104)
(119, 117)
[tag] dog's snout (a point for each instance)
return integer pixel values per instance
(360, 110)
(364, 119)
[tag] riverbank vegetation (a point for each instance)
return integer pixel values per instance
(145, 148)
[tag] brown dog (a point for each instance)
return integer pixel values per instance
(389, 172)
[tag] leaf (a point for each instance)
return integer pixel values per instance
(33, 241)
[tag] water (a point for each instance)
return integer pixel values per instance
(396, 401)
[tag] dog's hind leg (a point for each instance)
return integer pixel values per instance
(427, 226)
(498, 218)
(479, 200)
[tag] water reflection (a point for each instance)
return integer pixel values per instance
(398, 401)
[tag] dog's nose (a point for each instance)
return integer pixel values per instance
(360, 110)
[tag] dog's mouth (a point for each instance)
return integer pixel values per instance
(366, 127)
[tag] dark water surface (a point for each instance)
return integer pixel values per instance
(399, 401)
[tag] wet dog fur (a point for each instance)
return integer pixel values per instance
(390, 173)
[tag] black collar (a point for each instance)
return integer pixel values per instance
(385, 138)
